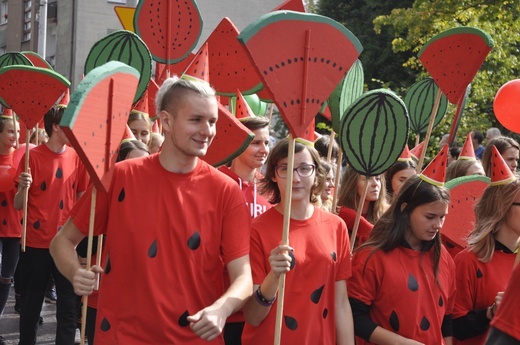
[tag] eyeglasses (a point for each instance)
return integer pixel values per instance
(516, 204)
(303, 170)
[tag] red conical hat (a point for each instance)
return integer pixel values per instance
(198, 70)
(7, 112)
(64, 102)
(435, 172)
(243, 111)
(500, 172)
(155, 126)
(142, 105)
(416, 151)
(405, 155)
(128, 135)
(309, 139)
(468, 152)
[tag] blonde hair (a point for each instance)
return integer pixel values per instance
(491, 211)
(173, 89)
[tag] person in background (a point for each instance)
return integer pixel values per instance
(454, 154)
(477, 138)
(491, 133)
(156, 142)
(398, 173)
(322, 146)
(507, 147)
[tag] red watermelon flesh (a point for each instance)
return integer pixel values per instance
(37, 60)
(454, 57)
(231, 140)
(96, 117)
(291, 5)
(153, 88)
(265, 95)
(198, 68)
(170, 29)
(464, 193)
(308, 56)
(31, 91)
(175, 69)
(230, 66)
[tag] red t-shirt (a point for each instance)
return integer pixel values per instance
(507, 318)
(321, 256)
(478, 283)
(168, 238)
(364, 227)
(57, 178)
(10, 217)
(402, 292)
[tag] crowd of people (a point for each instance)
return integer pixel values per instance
(194, 254)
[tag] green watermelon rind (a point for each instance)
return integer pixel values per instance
(272, 17)
(144, 66)
(456, 31)
(23, 61)
(389, 152)
(412, 102)
(78, 97)
(37, 56)
(156, 57)
(465, 179)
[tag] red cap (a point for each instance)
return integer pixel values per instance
(64, 102)
(7, 112)
(142, 105)
(468, 152)
(500, 172)
(405, 155)
(243, 111)
(416, 151)
(128, 135)
(198, 70)
(435, 172)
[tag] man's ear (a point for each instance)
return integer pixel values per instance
(165, 120)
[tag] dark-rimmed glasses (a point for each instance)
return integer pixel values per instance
(305, 170)
(516, 204)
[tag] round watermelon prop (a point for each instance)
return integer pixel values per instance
(123, 46)
(420, 101)
(96, 117)
(308, 56)
(231, 140)
(465, 192)
(230, 66)
(9, 59)
(374, 132)
(454, 57)
(171, 29)
(36, 59)
(506, 105)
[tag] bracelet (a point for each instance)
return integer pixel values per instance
(262, 300)
(492, 310)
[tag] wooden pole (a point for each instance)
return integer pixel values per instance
(429, 131)
(26, 191)
(358, 214)
(337, 182)
(331, 145)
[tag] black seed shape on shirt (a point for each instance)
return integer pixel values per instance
(449, 244)
(394, 321)
(4, 203)
(36, 224)
(43, 186)
(425, 324)
(441, 301)
(194, 241)
(105, 325)
(108, 266)
(4, 222)
(59, 173)
(61, 204)
(121, 196)
(412, 283)
(291, 323)
(479, 273)
(333, 256)
(316, 295)
(152, 252)
(293, 260)
(325, 313)
(183, 319)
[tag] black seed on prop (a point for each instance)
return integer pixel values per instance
(183, 319)
(43, 186)
(479, 273)
(36, 224)
(59, 173)
(152, 252)
(425, 324)
(293, 260)
(325, 313)
(194, 241)
(108, 265)
(121, 196)
(4, 203)
(105, 325)
(291, 323)
(316, 295)
(333, 256)
(61, 204)
(412, 283)
(394, 321)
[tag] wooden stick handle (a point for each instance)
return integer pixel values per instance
(337, 182)
(98, 258)
(358, 214)
(429, 131)
(331, 145)
(26, 191)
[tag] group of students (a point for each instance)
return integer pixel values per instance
(191, 253)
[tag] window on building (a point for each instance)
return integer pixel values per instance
(118, 1)
(3, 12)
(27, 20)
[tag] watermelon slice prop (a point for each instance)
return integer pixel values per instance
(10, 59)
(36, 59)
(373, 134)
(171, 29)
(308, 56)
(453, 58)
(100, 105)
(123, 46)
(231, 140)
(291, 5)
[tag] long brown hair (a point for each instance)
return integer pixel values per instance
(502, 143)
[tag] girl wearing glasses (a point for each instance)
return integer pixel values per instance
(485, 266)
(316, 264)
